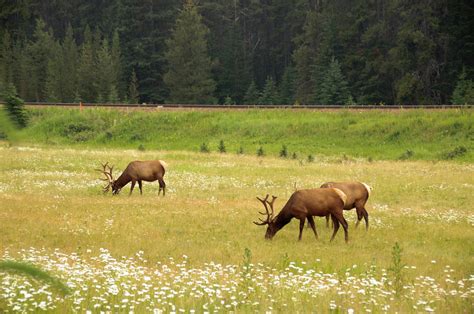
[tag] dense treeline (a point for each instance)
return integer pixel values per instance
(241, 51)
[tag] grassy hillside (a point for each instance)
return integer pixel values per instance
(417, 134)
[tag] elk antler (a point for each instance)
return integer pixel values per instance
(267, 211)
(108, 176)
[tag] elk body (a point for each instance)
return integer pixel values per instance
(357, 195)
(136, 172)
(302, 205)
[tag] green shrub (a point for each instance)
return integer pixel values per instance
(457, 152)
(221, 147)
(284, 152)
(204, 148)
(260, 152)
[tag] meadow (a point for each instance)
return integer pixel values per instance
(374, 135)
(197, 250)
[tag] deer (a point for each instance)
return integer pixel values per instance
(357, 195)
(136, 171)
(302, 205)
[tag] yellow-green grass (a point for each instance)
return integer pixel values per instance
(50, 198)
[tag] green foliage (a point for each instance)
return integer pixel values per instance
(133, 96)
(252, 94)
(269, 94)
(221, 147)
(464, 92)
(284, 152)
(260, 152)
(333, 90)
(240, 151)
(396, 268)
(204, 148)
(14, 106)
(189, 76)
(141, 147)
(25, 269)
(406, 155)
(310, 158)
(459, 151)
(377, 134)
(287, 86)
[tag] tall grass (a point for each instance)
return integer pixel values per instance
(405, 135)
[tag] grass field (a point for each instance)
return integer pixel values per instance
(375, 135)
(197, 249)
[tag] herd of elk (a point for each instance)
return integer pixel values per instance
(136, 171)
(330, 200)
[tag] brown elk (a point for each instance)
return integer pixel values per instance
(136, 171)
(357, 195)
(302, 205)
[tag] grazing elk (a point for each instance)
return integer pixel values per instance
(357, 195)
(136, 171)
(302, 205)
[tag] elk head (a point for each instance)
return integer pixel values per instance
(270, 221)
(109, 179)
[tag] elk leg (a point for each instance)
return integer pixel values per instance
(301, 228)
(162, 186)
(327, 221)
(313, 226)
(359, 216)
(366, 218)
(335, 223)
(140, 186)
(131, 188)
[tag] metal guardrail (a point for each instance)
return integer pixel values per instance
(209, 106)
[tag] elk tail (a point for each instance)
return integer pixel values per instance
(164, 164)
(342, 195)
(368, 188)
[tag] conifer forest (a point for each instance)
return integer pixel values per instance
(285, 52)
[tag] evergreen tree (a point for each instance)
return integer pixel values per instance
(252, 94)
(39, 52)
(116, 59)
(189, 66)
(464, 92)
(6, 61)
(334, 90)
(133, 95)
(270, 93)
(86, 70)
(287, 87)
(54, 73)
(106, 72)
(69, 66)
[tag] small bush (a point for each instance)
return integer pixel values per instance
(294, 156)
(14, 106)
(136, 137)
(284, 152)
(457, 152)
(260, 152)
(406, 155)
(240, 151)
(221, 147)
(141, 147)
(310, 158)
(204, 148)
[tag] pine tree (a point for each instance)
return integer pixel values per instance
(106, 72)
(464, 92)
(54, 79)
(87, 69)
(270, 93)
(133, 94)
(39, 53)
(333, 90)
(116, 58)
(189, 66)
(252, 94)
(69, 66)
(6, 61)
(287, 87)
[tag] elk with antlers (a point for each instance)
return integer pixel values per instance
(302, 205)
(357, 195)
(136, 171)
